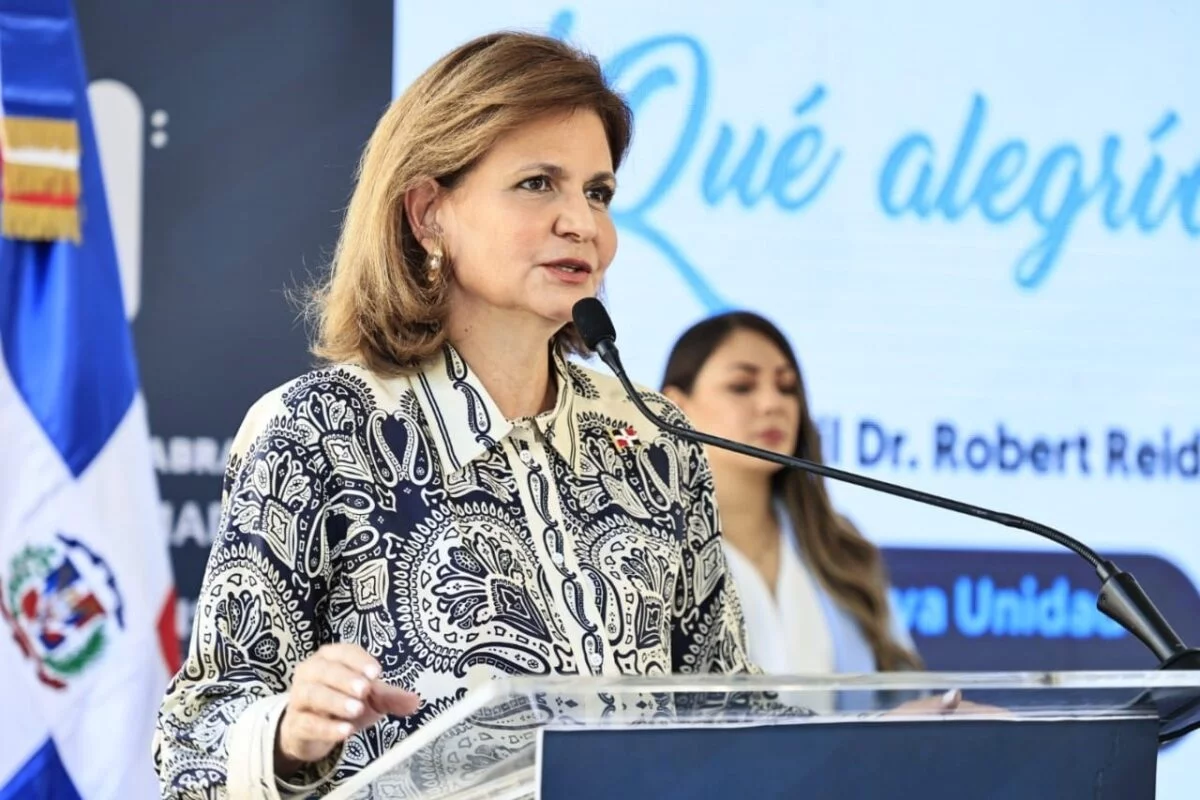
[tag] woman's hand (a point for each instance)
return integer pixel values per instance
(948, 703)
(335, 692)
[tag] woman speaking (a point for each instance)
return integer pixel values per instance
(448, 499)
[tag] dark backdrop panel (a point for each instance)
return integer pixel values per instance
(268, 105)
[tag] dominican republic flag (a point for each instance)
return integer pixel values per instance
(87, 632)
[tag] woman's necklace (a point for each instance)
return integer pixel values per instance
(765, 555)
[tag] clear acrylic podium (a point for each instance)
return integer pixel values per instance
(1033, 735)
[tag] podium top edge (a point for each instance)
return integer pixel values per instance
(1088, 696)
(853, 682)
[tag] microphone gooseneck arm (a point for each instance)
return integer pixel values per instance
(1121, 597)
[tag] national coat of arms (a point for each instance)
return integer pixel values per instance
(62, 602)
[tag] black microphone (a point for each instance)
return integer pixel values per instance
(1120, 598)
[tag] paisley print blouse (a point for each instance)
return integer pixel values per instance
(409, 516)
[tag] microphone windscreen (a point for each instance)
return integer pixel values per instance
(593, 323)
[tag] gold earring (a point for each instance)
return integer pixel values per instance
(435, 275)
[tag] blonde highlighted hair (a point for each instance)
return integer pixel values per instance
(380, 305)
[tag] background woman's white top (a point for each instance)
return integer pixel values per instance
(787, 632)
(802, 629)
(786, 629)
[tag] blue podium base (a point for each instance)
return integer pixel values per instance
(938, 759)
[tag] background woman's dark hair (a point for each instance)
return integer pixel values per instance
(844, 561)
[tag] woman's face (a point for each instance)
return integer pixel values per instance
(747, 391)
(528, 228)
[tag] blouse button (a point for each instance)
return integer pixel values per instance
(526, 457)
(595, 659)
(557, 558)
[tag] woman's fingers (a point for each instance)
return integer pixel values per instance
(335, 692)
(353, 657)
(951, 699)
(393, 700)
(324, 700)
(317, 728)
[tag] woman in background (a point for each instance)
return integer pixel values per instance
(813, 589)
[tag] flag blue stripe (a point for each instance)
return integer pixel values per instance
(43, 106)
(36, 58)
(63, 333)
(42, 777)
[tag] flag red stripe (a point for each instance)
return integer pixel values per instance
(62, 200)
(168, 639)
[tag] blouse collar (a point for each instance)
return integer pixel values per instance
(466, 423)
